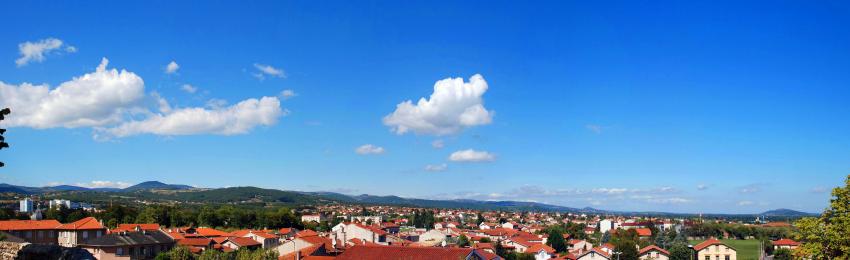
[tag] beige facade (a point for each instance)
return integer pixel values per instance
(72, 238)
(717, 252)
(654, 255)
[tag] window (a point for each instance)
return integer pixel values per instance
(39, 234)
(727, 257)
(707, 257)
(29, 234)
(85, 234)
(120, 251)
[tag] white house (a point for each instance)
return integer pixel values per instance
(605, 225)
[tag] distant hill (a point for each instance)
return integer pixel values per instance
(786, 213)
(151, 185)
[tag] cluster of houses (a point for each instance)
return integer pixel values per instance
(364, 237)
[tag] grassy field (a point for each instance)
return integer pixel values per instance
(747, 249)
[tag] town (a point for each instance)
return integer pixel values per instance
(154, 230)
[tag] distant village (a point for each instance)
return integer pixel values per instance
(381, 232)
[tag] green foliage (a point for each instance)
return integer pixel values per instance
(627, 247)
(680, 251)
(423, 219)
(463, 241)
(826, 237)
(556, 241)
(484, 240)
(782, 254)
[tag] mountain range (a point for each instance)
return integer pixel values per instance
(155, 190)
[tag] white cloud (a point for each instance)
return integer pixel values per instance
(453, 106)
(438, 144)
(216, 103)
(104, 184)
(264, 70)
(369, 149)
(171, 68)
(610, 190)
(236, 119)
(163, 105)
(95, 99)
(745, 203)
(36, 51)
(189, 88)
(819, 189)
(470, 155)
(752, 188)
(287, 94)
(702, 187)
(436, 167)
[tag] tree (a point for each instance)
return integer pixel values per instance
(627, 248)
(462, 241)
(680, 251)
(479, 219)
(499, 249)
(605, 237)
(556, 241)
(825, 237)
(180, 253)
(782, 254)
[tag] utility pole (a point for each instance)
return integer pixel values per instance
(3, 113)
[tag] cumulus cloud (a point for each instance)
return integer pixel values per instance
(37, 51)
(436, 167)
(114, 103)
(369, 149)
(287, 94)
(189, 88)
(438, 144)
(470, 155)
(267, 70)
(239, 118)
(93, 99)
(171, 68)
(453, 106)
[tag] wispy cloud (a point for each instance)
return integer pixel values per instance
(595, 128)
(267, 70)
(104, 184)
(37, 51)
(436, 167)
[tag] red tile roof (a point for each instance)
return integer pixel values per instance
(132, 227)
(88, 223)
(786, 242)
(409, 253)
(244, 241)
(708, 243)
(8, 225)
(644, 232)
(653, 247)
(306, 233)
(202, 242)
(537, 247)
(596, 250)
(210, 232)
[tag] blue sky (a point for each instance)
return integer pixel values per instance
(685, 107)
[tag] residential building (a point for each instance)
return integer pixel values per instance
(78, 232)
(370, 252)
(605, 225)
(347, 231)
(33, 231)
(594, 254)
(129, 245)
(786, 244)
(714, 249)
(26, 206)
(653, 252)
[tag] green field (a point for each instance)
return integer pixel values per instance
(747, 249)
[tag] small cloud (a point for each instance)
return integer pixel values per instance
(287, 94)
(702, 186)
(745, 203)
(752, 188)
(438, 144)
(436, 168)
(216, 103)
(470, 155)
(171, 68)
(369, 149)
(264, 70)
(38, 51)
(189, 88)
(595, 128)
